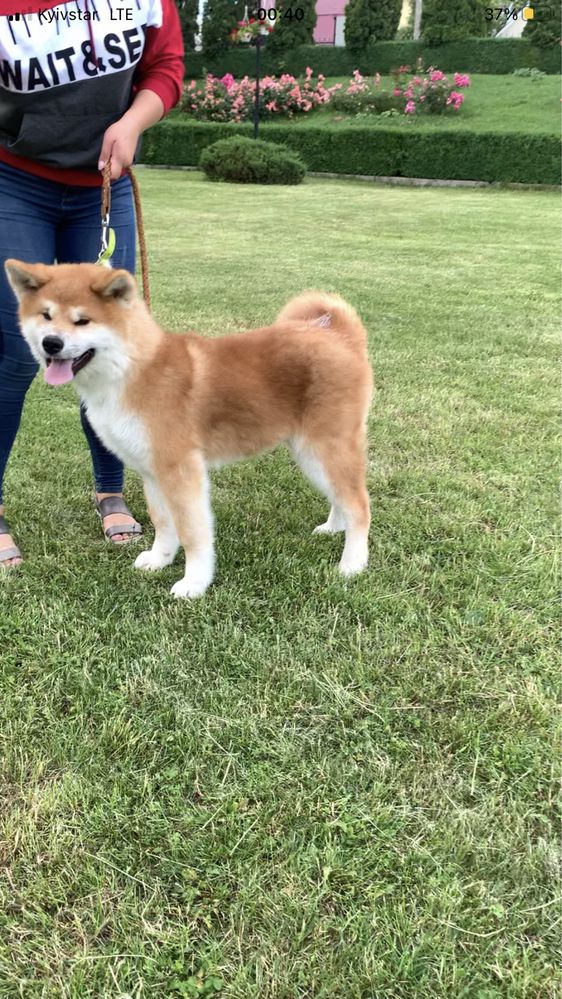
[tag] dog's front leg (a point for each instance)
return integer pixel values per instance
(166, 541)
(186, 491)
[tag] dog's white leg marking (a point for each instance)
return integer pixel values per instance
(334, 523)
(193, 517)
(356, 551)
(314, 470)
(345, 488)
(166, 541)
(312, 467)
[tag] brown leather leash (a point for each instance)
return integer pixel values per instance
(107, 234)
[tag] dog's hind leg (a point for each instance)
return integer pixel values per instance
(166, 541)
(186, 492)
(334, 523)
(338, 471)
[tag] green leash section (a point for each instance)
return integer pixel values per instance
(107, 245)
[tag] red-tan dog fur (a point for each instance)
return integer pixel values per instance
(173, 406)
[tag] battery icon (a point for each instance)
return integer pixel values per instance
(528, 13)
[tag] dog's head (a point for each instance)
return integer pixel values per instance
(75, 317)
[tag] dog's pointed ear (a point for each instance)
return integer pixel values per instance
(118, 285)
(25, 277)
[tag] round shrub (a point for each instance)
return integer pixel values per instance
(251, 161)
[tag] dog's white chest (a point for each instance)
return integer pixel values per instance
(122, 431)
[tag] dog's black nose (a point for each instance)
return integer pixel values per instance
(52, 345)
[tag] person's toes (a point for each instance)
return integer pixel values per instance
(7, 541)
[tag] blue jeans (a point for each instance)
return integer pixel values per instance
(42, 221)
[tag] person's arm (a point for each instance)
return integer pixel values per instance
(120, 140)
(158, 87)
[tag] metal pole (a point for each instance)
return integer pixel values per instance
(257, 97)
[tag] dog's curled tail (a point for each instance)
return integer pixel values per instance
(330, 312)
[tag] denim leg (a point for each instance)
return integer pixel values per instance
(78, 241)
(28, 215)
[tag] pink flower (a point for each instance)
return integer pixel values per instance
(437, 75)
(397, 92)
(410, 107)
(403, 69)
(462, 79)
(417, 80)
(228, 80)
(308, 72)
(409, 92)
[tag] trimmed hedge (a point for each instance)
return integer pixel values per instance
(241, 160)
(451, 155)
(475, 55)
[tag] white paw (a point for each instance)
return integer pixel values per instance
(353, 563)
(328, 528)
(198, 577)
(189, 588)
(151, 560)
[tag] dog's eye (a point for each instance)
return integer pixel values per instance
(81, 322)
(46, 315)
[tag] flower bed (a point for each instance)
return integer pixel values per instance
(427, 92)
(430, 91)
(226, 99)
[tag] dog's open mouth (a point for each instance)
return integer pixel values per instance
(58, 372)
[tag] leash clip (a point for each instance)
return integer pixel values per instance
(107, 241)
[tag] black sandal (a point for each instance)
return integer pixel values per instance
(8, 553)
(116, 504)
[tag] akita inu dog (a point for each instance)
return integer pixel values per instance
(173, 406)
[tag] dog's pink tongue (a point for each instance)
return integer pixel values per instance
(59, 372)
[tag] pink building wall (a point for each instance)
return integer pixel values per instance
(326, 13)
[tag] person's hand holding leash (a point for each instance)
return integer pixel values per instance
(120, 139)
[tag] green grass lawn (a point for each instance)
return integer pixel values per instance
(492, 104)
(298, 787)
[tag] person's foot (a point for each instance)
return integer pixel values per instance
(117, 518)
(7, 541)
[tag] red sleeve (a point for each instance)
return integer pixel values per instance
(161, 68)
